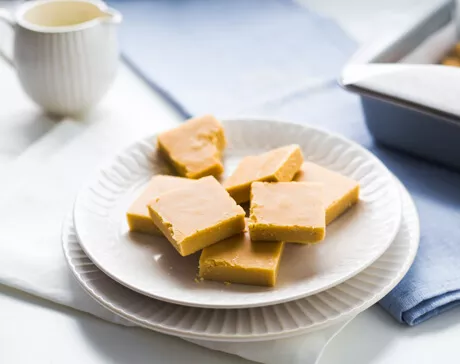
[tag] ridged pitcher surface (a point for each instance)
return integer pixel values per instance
(66, 73)
(65, 52)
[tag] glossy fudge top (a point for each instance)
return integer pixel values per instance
(287, 204)
(195, 147)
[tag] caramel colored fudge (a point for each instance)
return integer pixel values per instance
(197, 215)
(457, 50)
(195, 147)
(287, 211)
(451, 61)
(138, 216)
(340, 192)
(278, 165)
(240, 260)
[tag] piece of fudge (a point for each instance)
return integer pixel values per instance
(456, 50)
(138, 216)
(287, 211)
(340, 192)
(278, 165)
(195, 147)
(239, 260)
(197, 215)
(451, 61)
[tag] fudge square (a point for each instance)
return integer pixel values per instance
(287, 211)
(195, 147)
(138, 216)
(279, 164)
(197, 215)
(340, 192)
(239, 260)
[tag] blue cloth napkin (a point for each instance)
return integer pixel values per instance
(274, 59)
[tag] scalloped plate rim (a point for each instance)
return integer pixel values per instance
(405, 265)
(273, 301)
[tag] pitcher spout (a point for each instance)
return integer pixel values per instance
(111, 16)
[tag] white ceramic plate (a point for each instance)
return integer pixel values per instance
(342, 302)
(152, 267)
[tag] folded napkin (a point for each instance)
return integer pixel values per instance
(273, 59)
(246, 52)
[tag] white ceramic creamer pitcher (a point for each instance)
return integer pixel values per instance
(65, 52)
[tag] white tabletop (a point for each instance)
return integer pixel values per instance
(33, 330)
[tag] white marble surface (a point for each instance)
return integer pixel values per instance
(33, 330)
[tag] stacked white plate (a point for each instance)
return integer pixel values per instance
(366, 252)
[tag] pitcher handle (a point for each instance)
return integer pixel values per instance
(5, 17)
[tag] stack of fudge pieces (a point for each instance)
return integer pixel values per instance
(291, 201)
